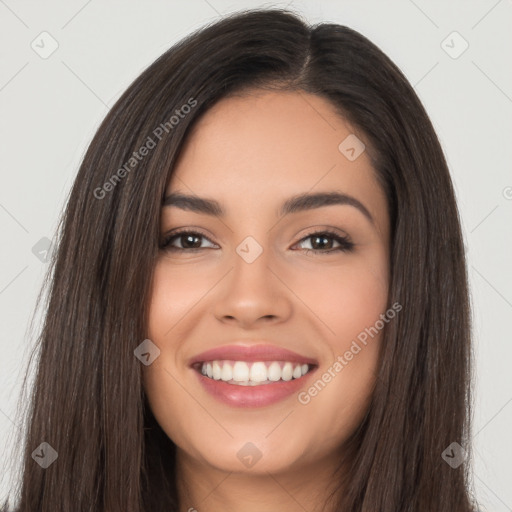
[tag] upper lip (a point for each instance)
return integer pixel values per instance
(251, 353)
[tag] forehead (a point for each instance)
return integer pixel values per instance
(264, 146)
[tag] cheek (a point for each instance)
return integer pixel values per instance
(359, 301)
(170, 301)
(347, 299)
(168, 401)
(174, 294)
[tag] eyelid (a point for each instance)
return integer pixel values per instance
(326, 229)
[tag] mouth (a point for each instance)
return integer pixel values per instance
(247, 373)
(252, 376)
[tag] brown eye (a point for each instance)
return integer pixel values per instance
(320, 239)
(189, 240)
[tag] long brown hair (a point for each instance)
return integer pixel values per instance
(88, 402)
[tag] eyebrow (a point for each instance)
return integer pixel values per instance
(294, 204)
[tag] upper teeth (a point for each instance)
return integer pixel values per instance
(257, 372)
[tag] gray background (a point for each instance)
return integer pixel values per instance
(50, 108)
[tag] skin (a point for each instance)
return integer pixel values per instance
(251, 153)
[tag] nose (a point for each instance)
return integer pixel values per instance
(252, 292)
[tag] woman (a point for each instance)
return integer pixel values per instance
(263, 370)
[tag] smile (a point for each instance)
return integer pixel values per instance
(252, 375)
(244, 373)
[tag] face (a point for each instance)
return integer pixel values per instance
(256, 277)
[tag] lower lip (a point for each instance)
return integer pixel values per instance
(252, 396)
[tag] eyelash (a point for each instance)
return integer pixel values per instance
(346, 245)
